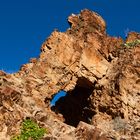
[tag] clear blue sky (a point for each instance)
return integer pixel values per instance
(58, 95)
(25, 24)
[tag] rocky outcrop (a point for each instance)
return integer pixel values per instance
(101, 75)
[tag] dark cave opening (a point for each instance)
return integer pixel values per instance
(75, 106)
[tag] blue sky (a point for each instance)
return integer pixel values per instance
(25, 24)
(58, 95)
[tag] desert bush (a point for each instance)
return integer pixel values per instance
(132, 44)
(30, 130)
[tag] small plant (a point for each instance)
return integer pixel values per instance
(119, 124)
(132, 44)
(30, 131)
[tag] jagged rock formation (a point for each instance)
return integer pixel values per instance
(100, 74)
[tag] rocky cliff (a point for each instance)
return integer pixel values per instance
(101, 75)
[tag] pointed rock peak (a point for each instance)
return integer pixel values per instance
(88, 20)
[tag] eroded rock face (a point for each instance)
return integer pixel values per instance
(100, 74)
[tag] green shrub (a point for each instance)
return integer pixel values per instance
(132, 44)
(30, 130)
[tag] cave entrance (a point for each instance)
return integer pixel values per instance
(75, 106)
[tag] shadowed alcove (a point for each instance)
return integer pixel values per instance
(75, 106)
